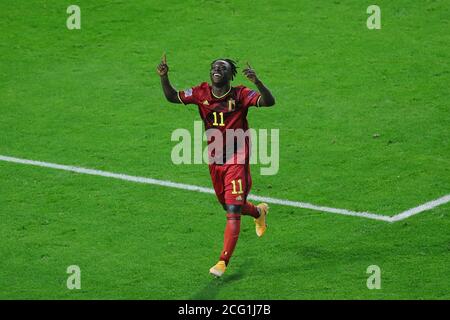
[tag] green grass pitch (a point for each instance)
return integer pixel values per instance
(364, 125)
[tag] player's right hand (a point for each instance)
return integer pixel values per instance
(163, 68)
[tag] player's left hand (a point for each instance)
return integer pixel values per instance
(250, 74)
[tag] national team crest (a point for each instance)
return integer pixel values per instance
(231, 104)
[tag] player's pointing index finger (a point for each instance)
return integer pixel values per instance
(164, 58)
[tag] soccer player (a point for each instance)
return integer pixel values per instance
(224, 107)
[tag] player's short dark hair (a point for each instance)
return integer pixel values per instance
(232, 64)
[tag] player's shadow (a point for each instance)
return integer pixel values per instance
(213, 287)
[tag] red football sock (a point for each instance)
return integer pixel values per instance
(231, 236)
(249, 209)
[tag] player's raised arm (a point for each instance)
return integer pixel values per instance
(169, 91)
(267, 99)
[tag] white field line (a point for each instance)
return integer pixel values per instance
(424, 207)
(368, 215)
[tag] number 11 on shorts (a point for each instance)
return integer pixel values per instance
(240, 191)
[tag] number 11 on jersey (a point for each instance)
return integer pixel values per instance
(240, 191)
(221, 124)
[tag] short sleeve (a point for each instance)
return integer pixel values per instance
(188, 96)
(249, 97)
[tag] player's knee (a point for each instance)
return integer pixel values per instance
(232, 208)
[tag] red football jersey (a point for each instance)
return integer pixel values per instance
(228, 111)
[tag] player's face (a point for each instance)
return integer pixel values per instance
(220, 72)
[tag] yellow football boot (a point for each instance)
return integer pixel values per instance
(219, 269)
(260, 222)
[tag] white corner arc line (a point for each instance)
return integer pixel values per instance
(170, 184)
